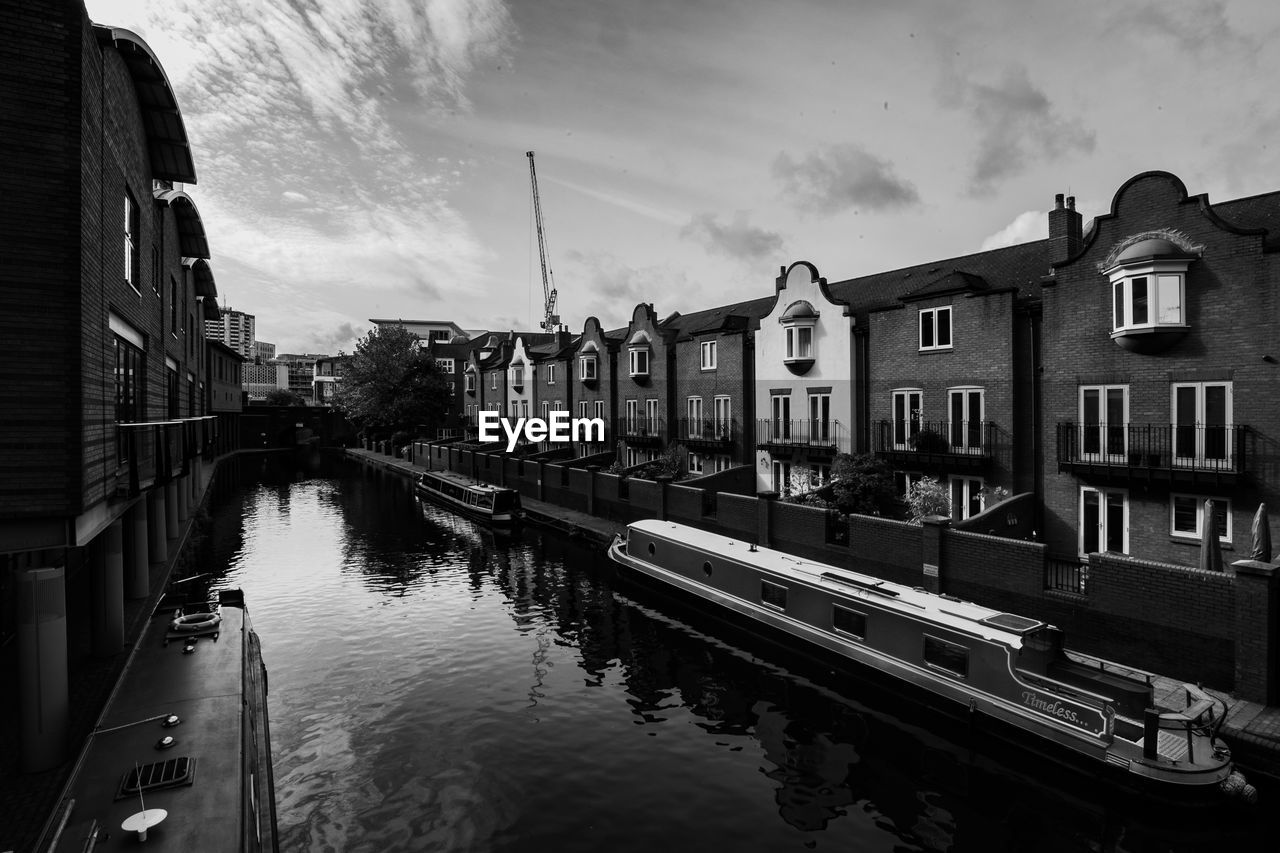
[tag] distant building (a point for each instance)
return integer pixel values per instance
(233, 328)
(259, 380)
(263, 351)
(326, 374)
(429, 331)
(299, 374)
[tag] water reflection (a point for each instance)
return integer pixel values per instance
(435, 687)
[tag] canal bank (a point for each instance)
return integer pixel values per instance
(1251, 728)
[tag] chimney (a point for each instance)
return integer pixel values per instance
(1065, 230)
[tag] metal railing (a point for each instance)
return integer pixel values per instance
(1066, 574)
(962, 438)
(828, 435)
(641, 427)
(1215, 448)
(707, 429)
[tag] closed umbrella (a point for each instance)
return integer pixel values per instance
(1210, 552)
(1261, 536)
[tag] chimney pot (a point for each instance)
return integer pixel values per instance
(1057, 202)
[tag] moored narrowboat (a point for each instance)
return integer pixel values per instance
(494, 504)
(181, 757)
(1008, 667)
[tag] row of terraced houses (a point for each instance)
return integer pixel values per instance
(1123, 374)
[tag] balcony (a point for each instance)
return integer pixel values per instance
(642, 432)
(815, 437)
(708, 433)
(950, 444)
(1171, 453)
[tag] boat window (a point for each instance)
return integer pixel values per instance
(485, 501)
(848, 621)
(773, 595)
(652, 550)
(949, 656)
(706, 568)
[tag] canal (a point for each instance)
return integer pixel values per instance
(434, 687)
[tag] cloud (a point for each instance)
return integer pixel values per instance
(615, 288)
(343, 338)
(1016, 122)
(838, 177)
(1195, 26)
(1025, 227)
(736, 239)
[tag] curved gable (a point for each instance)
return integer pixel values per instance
(191, 237)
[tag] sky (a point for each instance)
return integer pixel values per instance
(363, 160)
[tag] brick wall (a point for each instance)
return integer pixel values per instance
(731, 377)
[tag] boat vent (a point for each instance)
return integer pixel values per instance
(163, 774)
(1009, 622)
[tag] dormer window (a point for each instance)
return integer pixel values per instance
(588, 365)
(638, 351)
(517, 375)
(1148, 295)
(798, 323)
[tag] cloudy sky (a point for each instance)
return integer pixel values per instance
(367, 159)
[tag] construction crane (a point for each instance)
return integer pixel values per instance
(551, 320)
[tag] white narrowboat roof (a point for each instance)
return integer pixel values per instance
(953, 613)
(465, 482)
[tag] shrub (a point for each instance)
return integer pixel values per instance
(929, 441)
(928, 497)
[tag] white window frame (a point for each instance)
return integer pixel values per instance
(929, 319)
(633, 416)
(796, 340)
(1200, 444)
(1164, 284)
(638, 360)
(599, 409)
(493, 383)
(723, 463)
(1104, 440)
(1104, 528)
(445, 365)
(132, 242)
(819, 416)
(587, 368)
(966, 435)
(695, 463)
(707, 351)
(964, 491)
(782, 476)
(470, 380)
(723, 416)
(551, 374)
(582, 408)
(693, 411)
(1198, 501)
(780, 422)
(545, 410)
(904, 480)
(910, 403)
(651, 415)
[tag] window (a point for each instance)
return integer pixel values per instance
(524, 409)
(904, 480)
(819, 474)
(820, 417)
(634, 457)
(799, 342)
(966, 497)
(724, 417)
(708, 355)
(782, 477)
(951, 657)
(516, 375)
(906, 417)
(695, 417)
(633, 416)
(935, 328)
(695, 463)
(773, 595)
(1186, 517)
(780, 426)
(651, 415)
(546, 411)
(439, 335)
(588, 367)
(551, 374)
(445, 365)
(1146, 301)
(132, 241)
(639, 357)
(191, 395)
(582, 408)
(965, 406)
(722, 463)
(515, 409)
(470, 380)
(493, 381)
(155, 270)
(849, 622)
(130, 389)
(1104, 416)
(171, 392)
(599, 409)
(1104, 520)
(1202, 424)
(173, 306)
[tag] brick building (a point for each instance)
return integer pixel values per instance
(594, 377)
(105, 285)
(644, 380)
(1160, 373)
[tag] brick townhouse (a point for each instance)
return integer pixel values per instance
(106, 285)
(595, 381)
(1161, 366)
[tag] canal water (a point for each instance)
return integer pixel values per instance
(434, 687)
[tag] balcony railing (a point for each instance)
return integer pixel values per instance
(1153, 451)
(811, 435)
(641, 430)
(916, 439)
(1066, 574)
(708, 431)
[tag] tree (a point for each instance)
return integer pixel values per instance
(392, 384)
(861, 484)
(928, 497)
(284, 397)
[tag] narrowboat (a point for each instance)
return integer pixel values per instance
(180, 759)
(497, 505)
(1004, 666)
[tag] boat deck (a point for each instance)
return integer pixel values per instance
(206, 690)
